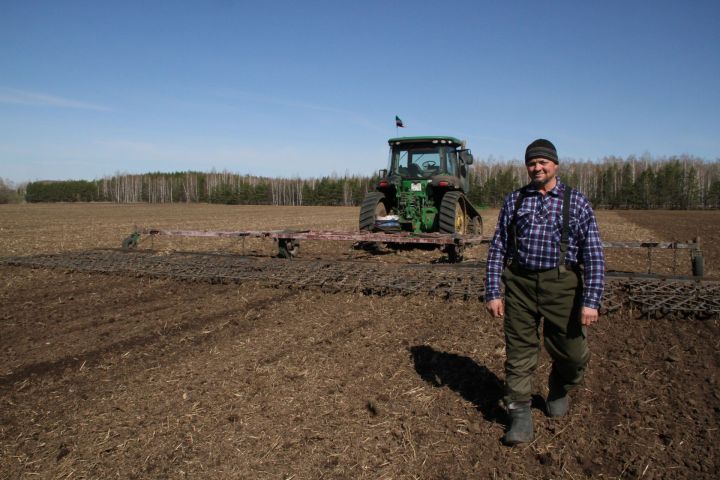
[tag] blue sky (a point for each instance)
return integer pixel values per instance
(279, 88)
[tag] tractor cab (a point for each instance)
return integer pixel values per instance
(434, 159)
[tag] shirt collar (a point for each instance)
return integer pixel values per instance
(556, 191)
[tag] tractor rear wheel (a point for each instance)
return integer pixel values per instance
(453, 218)
(373, 206)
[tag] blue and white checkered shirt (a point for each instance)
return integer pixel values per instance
(539, 229)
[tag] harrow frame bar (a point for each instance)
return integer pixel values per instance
(399, 237)
(288, 241)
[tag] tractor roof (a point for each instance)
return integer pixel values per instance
(431, 140)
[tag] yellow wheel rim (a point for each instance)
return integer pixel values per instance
(460, 225)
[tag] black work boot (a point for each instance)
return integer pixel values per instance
(557, 402)
(521, 427)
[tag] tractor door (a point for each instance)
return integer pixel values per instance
(464, 160)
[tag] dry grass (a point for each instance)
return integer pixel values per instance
(45, 228)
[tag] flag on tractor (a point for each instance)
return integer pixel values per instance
(398, 122)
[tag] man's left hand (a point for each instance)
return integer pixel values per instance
(588, 316)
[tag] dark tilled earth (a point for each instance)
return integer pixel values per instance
(110, 376)
(130, 377)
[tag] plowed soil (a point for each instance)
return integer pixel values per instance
(131, 377)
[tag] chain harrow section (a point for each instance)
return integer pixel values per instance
(650, 296)
(662, 298)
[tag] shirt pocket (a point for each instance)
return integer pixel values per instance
(524, 220)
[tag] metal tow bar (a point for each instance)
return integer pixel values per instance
(289, 240)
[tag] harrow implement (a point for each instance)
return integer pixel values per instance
(669, 296)
(658, 298)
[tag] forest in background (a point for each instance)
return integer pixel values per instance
(680, 182)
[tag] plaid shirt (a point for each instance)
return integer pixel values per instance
(539, 228)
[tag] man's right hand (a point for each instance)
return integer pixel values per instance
(496, 307)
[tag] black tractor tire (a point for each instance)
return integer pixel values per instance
(453, 218)
(373, 206)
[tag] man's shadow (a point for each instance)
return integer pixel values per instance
(475, 383)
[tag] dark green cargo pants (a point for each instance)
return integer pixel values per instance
(554, 296)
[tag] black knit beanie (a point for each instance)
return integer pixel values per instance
(541, 148)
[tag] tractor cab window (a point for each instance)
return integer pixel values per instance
(416, 162)
(450, 161)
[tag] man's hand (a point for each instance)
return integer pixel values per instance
(588, 316)
(496, 307)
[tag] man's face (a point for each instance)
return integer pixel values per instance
(541, 171)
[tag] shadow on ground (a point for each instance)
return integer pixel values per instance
(475, 383)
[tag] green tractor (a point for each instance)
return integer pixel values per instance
(423, 190)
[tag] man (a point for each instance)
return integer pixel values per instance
(548, 253)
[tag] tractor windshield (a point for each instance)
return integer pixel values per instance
(422, 162)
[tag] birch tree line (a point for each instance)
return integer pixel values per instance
(230, 188)
(679, 182)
